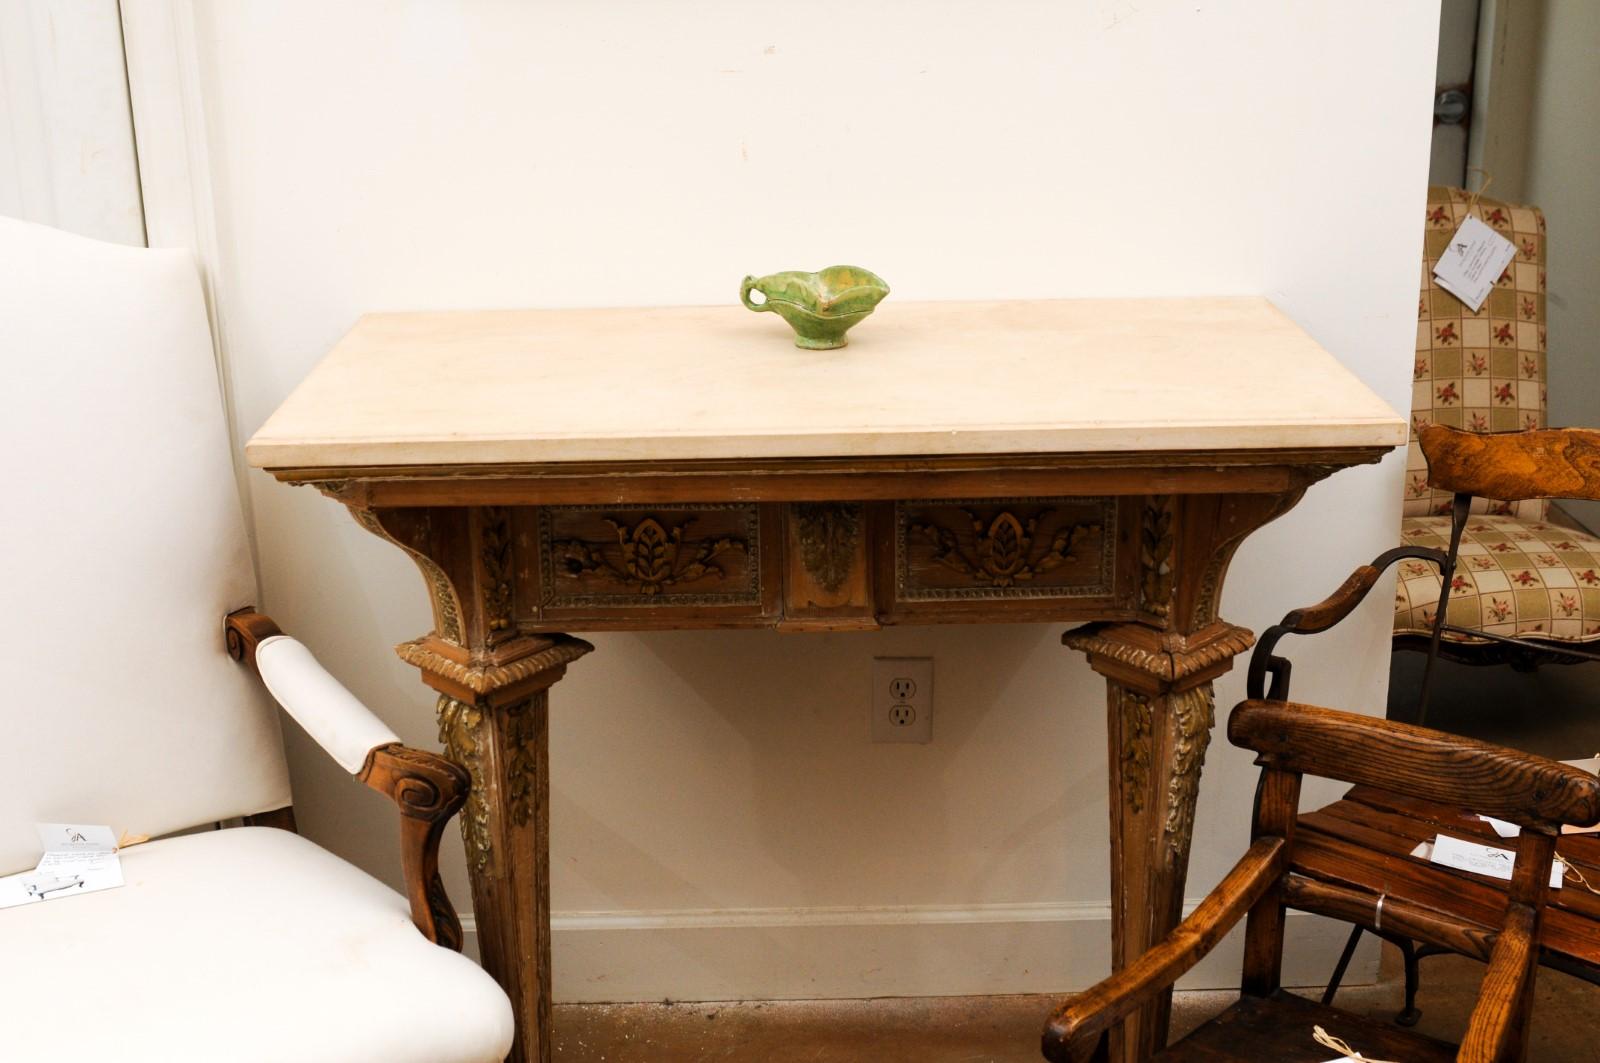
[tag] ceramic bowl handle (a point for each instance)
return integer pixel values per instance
(745, 288)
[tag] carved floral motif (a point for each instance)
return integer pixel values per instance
(1002, 552)
(653, 557)
(829, 533)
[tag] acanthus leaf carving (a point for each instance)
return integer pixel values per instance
(1155, 555)
(650, 557)
(1002, 552)
(462, 732)
(829, 533)
(1192, 712)
(494, 555)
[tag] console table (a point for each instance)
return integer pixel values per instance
(1091, 461)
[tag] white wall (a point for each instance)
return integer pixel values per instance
(721, 825)
(66, 142)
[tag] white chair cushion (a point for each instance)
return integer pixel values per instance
(249, 944)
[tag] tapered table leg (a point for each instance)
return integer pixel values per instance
(502, 739)
(1160, 705)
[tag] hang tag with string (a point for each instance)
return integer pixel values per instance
(1475, 257)
(1473, 261)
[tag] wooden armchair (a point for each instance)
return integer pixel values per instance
(1467, 577)
(129, 566)
(1280, 871)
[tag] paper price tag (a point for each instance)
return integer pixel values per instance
(1473, 261)
(77, 858)
(1483, 859)
(1501, 827)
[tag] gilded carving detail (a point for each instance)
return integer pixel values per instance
(829, 533)
(1003, 553)
(1138, 748)
(1191, 711)
(463, 733)
(1155, 555)
(1164, 663)
(484, 678)
(495, 556)
(446, 614)
(653, 557)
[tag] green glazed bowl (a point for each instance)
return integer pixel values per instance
(820, 306)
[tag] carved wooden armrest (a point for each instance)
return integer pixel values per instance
(1313, 619)
(427, 788)
(1076, 1033)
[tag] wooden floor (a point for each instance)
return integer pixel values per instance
(1566, 1025)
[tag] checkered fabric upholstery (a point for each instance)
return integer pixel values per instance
(1483, 371)
(1514, 577)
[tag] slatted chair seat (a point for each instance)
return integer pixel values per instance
(1303, 862)
(1366, 840)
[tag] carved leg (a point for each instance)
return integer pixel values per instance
(494, 719)
(1158, 734)
(502, 738)
(1158, 677)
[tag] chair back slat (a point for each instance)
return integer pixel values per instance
(1417, 762)
(1549, 463)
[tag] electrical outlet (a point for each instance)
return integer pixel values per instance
(902, 699)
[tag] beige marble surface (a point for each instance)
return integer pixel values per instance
(1058, 376)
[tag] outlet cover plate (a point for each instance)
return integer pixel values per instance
(902, 699)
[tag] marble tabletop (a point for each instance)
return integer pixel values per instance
(689, 383)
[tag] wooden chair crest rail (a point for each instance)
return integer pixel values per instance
(1284, 868)
(1371, 824)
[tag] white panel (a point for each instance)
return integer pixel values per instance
(66, 139)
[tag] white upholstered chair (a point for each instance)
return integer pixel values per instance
(125, 550)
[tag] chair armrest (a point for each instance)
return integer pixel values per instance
(427, 788)
(1313, 619)
(1076, 1032)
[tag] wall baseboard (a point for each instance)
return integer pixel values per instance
(862, 952)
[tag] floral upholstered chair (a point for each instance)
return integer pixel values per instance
(1522, 573)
